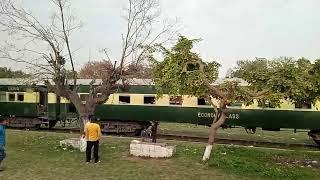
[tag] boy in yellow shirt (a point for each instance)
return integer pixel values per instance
(92, 133)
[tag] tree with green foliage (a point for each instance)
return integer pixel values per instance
(314, 73)
(8, 73)
(285, 76)
(183, 72)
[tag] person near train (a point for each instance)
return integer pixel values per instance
(92, 134)
(2, 141)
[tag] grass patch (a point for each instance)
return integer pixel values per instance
(252, 162)
(283, 136)
(257, 162)
(36, 155)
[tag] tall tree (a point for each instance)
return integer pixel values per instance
(286, 76)
(53, 62)
(183, 72)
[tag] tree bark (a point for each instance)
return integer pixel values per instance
(84, 113)
(83, 120)
(213, 131)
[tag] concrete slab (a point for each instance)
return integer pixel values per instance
(154, 150)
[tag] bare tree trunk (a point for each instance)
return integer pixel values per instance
(84, 114)
(83, 119)
(213, 131)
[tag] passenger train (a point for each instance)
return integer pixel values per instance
(32, 105)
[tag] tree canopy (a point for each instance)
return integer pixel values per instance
(8, 73)
(101, 70)
(284, 76)
(181, 70)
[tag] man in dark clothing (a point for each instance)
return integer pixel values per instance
(2, 141)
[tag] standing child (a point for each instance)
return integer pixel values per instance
(93, 134)
(2, 141)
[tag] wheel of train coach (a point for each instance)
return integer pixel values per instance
(23, 122)
(38, 126)
(52, 123)
(315, 135)
(129, 128)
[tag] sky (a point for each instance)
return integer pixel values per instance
(230, 30)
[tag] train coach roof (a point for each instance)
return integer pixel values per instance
(17, 81)
(133, 81)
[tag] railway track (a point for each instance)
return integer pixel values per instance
(175, 137)
(238, 142)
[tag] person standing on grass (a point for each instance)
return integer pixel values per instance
(2, 141)
(92, 133)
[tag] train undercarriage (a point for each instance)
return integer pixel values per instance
(23, 122)
(130, 128)
(315, 135)
(30, 122)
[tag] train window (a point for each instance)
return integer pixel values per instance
(3, 96)
(149, 100)
(269, 105)
(20, 97)
(83, 97)
(124, 99)
(43, 98)
(265, 104)
(72, 108)
(175, 100)
(236, 104)
(12, 97)
(304, 105)
(202, 102)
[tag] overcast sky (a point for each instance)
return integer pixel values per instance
(231, 29)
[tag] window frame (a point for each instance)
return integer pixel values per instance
(206, 103)
(175, 104)
(85, 95)
(20, 94)
(9, 97)
(149, 96)
(5, 95)
(123, 102)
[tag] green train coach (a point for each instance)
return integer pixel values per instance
(132, 110)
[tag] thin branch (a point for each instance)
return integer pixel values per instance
(66, 38)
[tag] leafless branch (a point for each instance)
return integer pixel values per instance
(107, 54)
(66, 38)
(142, 16)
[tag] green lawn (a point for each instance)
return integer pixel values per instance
(36, 155)
(283, 136)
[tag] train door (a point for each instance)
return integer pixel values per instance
(58, 108)
(303, 105)
(43, 101)
(72, 108)
(43, 107)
